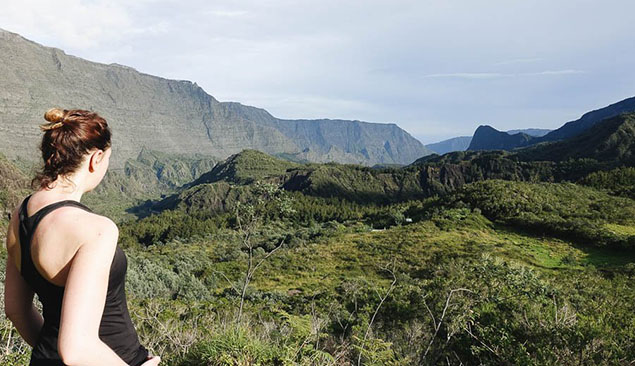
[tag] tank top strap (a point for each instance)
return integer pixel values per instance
(29, 223)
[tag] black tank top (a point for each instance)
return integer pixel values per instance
(116, 328)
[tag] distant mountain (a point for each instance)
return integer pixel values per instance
(170, 116)
(607, 145)
(535, 132)
(489, 140)
(461, 143)
(611, 141)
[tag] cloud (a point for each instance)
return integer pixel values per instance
(496, 75)
(557, 72)
(468, 75)
(226, 13)
(67, 23)
(519, 61)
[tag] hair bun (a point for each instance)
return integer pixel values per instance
(54, 115)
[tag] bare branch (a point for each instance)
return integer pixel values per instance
(438, 325)
(269, 254)
(230, 282)
(372, 320)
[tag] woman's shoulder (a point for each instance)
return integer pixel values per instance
(73, 224)
(87, 225)
(95, 236)
(68, 220)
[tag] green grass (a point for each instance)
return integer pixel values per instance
(626, 230)
(321, 266)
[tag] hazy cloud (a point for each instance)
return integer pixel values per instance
(518, 61)
(494, 75)
(468, 75)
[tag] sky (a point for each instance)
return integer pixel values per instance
(437, 69)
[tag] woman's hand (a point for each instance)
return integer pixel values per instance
(152, 361)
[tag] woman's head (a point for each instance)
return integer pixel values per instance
(74, 141)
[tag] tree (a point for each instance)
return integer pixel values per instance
(268, 199)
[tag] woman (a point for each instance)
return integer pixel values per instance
(68, 255)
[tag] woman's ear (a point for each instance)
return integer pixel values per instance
(95, 159)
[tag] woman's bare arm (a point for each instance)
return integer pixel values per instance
(19, 308)
(85, 298)
(18, 295)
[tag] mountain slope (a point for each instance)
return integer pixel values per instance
(244, 168)
(170, 115)
(589, 119)
(13, 187)
(611, 140)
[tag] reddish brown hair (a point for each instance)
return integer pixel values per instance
(69, 135)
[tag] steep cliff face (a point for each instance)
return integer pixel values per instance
(171, 116)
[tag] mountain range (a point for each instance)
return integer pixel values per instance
(171, 116)
(605, 146)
